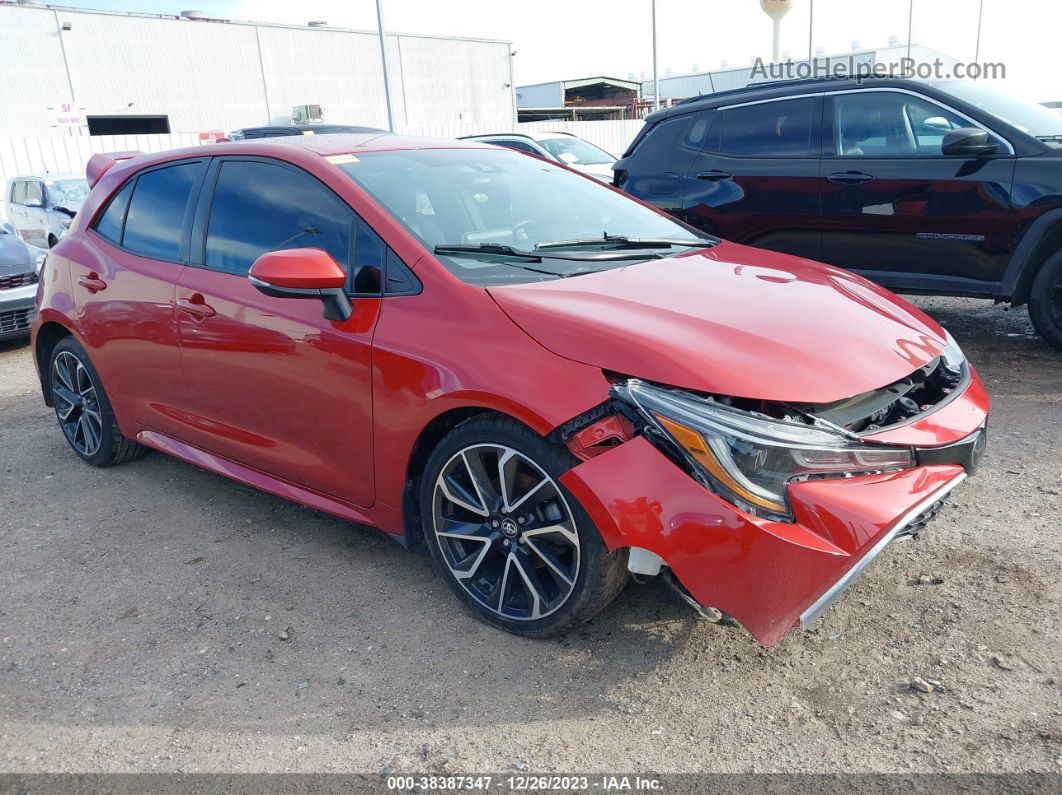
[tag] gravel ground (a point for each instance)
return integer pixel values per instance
(155, 617)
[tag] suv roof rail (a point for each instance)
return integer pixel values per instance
(101, 162)
(765, 85)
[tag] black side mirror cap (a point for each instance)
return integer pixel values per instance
(967, 142)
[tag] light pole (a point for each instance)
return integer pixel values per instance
(656, 78)
(980, 18)
(910, 28)
(383, 57)
(811, 33)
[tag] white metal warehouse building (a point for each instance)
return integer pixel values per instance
(171, 74)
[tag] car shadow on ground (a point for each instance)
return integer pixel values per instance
(156, 592)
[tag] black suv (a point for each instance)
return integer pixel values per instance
(948, 188)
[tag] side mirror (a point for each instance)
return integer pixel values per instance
(968, 142)
(303, 273)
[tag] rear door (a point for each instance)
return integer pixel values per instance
(271, 383)
(656, 170)
(896, 207)
(756, 179)
(123, 285)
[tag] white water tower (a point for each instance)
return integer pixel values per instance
(776, 9)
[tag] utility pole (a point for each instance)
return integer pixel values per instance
(656, 78)
(980, 18)
(811, 33)
(383, 57)
(910, 28)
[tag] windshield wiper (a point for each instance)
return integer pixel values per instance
(626, 242)
(486, 248)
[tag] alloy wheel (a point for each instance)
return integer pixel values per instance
(77, 403)
(506, 532)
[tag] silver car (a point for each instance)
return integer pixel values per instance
(42, 207)
(560, 147)
(20, 266)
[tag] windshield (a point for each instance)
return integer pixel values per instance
(504, 201)
(574, 151)
(1036, 120)
(67, 193)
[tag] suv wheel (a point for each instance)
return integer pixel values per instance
(510, 540)
(84, 411)
(1045, 301)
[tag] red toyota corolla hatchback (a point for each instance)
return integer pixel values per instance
(547, 383)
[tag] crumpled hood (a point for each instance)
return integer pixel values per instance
(731, 320)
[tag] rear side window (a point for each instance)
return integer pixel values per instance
(155, 220)
(112, 221)
(769, 129)
(259, 207)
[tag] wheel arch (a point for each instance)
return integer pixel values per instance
(429, 436)
(1040, 242)
(49, 334)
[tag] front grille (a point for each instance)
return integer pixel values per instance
(16, 320)
(918, 524)
(18, 280)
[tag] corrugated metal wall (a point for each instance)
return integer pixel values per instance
(220, 76)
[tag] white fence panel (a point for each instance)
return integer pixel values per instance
(60, 153)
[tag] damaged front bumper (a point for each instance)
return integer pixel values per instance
(773, 575)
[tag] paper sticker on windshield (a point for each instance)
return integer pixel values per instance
(340, 160)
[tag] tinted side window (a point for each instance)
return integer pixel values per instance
(112, 221)
(770, 129)
(369, 254)
(155, 220)
(259, 207)
(659, 144)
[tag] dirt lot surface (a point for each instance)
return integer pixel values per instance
(157, 617)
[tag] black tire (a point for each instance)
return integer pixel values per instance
(1045, 301)
(600, 575)
(97, 440)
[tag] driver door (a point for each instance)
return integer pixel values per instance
(271, 383)
(895, 207)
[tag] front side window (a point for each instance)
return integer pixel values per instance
(488, 198)
(891, 124)
(155, 219)
(259, 207)
(769, 129)
(34, 192)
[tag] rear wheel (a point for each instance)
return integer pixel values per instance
(1045, 301)
(84, 410)
(508, 537)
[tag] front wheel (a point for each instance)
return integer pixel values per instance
(84, 410)
(1045, 301)
(508, 537)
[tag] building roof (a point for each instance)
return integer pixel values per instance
(633, 85)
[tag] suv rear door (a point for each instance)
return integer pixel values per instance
(756, 179)
(897, 208)
(655, 171)
(271, 383)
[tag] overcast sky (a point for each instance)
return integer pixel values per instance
(556, 39)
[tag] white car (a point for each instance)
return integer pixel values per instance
(42, 207)
(561, 147)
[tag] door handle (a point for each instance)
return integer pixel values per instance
(92, 282)
(714, 175)
(196, 307)
(850, 178)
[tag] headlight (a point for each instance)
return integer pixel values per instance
(953, 357)
(66, 222)
(749, 459)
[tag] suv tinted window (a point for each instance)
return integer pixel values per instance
(155, 220)
(259, 207)
(769, 129)
(113, 219)
(891, 124)
(659, 145)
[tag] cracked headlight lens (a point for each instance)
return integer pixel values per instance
(749, 459)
